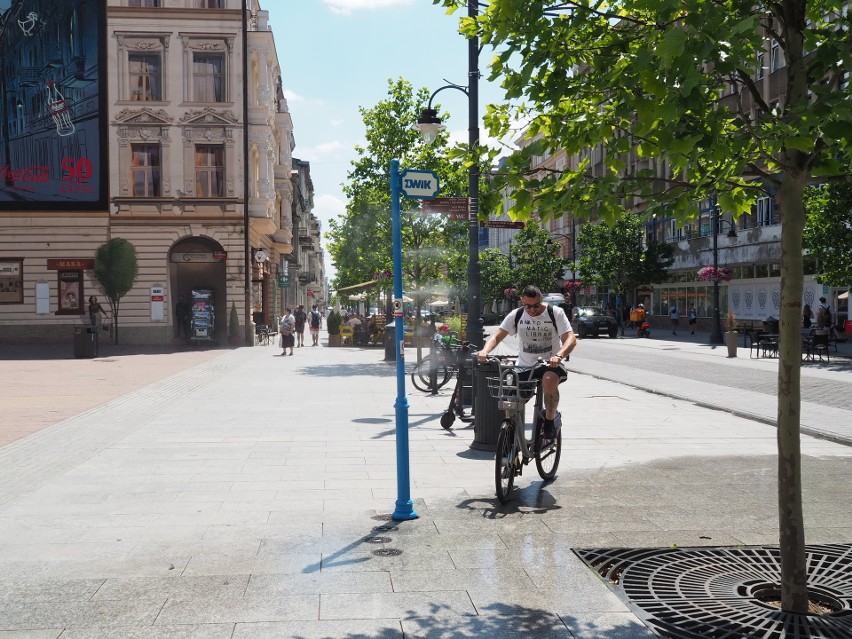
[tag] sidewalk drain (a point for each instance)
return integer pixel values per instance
(386, 528)
(377, 540)
(387, 552)
(695, 593)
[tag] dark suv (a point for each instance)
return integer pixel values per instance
(593, 320)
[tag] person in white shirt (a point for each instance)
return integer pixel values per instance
(542, 333)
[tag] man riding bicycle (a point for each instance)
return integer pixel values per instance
(543, 332)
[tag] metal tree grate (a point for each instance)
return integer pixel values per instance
(701, 593)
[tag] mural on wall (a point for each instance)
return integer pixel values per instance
(52, 152)
(761, 299)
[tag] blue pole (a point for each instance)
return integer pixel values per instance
(404, 506)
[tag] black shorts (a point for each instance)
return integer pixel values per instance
(537, 372)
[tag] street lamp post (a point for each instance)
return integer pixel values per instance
(716, 331)
(430, 125)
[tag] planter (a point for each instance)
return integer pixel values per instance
(731, 342)
(334, 340)
(235, 340)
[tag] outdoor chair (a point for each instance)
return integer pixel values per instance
(347, 335)
(819, 345)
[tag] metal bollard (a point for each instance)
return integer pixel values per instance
(433, 368)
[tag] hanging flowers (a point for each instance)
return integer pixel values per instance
(572, 286)
(714, 274)
(510, 293)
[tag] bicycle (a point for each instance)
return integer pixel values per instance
(264, 334)
(446, 366)
(514, 451)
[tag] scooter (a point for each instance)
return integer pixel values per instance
(644, 330)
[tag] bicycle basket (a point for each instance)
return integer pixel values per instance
(509, 387)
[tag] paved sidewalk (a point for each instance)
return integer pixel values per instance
(242, 497)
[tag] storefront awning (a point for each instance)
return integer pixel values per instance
(355, 287)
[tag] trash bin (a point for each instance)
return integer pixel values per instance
(85, 341)
(487, 415)
(390, 342)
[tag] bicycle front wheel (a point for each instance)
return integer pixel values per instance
(505, 461)
(420, 374)
(547, 457)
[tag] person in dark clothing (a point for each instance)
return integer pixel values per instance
(301, 317)
(182, 317)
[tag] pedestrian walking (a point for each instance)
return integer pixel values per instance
(315, 321)
(824, 314)
(674, 315)
(807, 316)
(286, 327)
(300, 317)
(97, 314)
(693, 319)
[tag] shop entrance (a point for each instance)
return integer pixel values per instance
(198, 264)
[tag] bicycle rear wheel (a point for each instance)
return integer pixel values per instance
(505, 461)
(420, 374)
(547, 457)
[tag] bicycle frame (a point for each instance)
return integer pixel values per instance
(514, 449)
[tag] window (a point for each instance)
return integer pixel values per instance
(143, 3)
(209, 170)
(209, 4)
(763, 210)
(11, 281)
(145, 169)
(760, 68)
(145, 72)
(208, 77)
(776, 57)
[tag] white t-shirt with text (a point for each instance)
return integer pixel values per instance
(537, 336)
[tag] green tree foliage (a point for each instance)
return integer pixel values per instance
(535, 258)
(668, 95)
(828, 232)
(360, 241)
(615, 256)
(497, 274)
(116, 269)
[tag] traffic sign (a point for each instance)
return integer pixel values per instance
(504, 224)
(419, 184)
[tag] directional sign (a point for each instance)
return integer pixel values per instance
(419, 184)
(504, 224)
(456, 207)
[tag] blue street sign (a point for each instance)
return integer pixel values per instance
(419, 184)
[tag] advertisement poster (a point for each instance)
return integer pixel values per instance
(52, 154)
(11, 282)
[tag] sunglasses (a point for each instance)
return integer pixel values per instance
(534, 307)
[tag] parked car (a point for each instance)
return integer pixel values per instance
(593, 320)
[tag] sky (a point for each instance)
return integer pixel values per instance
(338, 55)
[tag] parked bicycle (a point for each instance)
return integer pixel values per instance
(264, 334)
(463, 389)
(514, 448)
(446, 365)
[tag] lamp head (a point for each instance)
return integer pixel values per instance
(429, 125)
(733, 232)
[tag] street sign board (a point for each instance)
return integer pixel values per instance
(456, 207)
(419, 184)
(504, 224)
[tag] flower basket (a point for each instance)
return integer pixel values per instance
(510, 294)
(715, 274)
(572, 287)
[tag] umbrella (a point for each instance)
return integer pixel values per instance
(439, 303)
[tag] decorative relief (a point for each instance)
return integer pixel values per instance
(209, 115)
(145, 115)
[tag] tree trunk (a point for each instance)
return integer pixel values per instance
(794, 587)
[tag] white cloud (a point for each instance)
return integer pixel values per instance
(292, 96)
(319, 150)
(346, 7)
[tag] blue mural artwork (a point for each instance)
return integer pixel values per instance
(52, 76)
